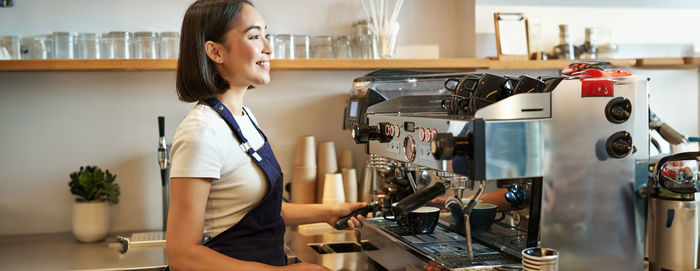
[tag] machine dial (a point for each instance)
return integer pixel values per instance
(445, 146)
(409, 148)
(618, 110)
(619, 145)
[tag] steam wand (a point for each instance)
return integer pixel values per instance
(164, 163)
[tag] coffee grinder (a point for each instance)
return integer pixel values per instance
(674, 219)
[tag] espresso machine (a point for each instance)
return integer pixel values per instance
(563, 148)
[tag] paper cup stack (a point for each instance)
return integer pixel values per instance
(327, 163)
(349, 175)
(535, 258)
(304, 171)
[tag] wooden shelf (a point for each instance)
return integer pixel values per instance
(337, 64)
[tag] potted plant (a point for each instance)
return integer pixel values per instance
(96, 191)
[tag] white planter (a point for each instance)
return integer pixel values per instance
(91, 220)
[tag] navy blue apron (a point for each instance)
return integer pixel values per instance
(259, 236)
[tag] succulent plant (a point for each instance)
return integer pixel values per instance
(91, 184)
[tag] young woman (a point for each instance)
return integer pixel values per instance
(226, 209)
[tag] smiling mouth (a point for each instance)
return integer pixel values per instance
(264, 64)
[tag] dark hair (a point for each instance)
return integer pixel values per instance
(205, 20)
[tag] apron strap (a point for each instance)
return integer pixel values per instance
(220, 108)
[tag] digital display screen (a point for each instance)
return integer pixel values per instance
(353, 109)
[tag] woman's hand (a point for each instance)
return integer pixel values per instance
(340, 210)
(303, 267)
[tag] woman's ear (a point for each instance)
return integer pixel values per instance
(214, 51)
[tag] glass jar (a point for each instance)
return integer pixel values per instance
(117, 45)
(63, 45)
(342, 47)
(565, 49)
(284, 46)
(146, 45)
(301, 46)
(10, 47)
(364, 43)
(169, 45)
(322, 47)
(88, 46)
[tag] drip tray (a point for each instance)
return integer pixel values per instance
(342, 247)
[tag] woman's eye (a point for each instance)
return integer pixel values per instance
(255, 37)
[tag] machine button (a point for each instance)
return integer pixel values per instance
(421, 134)
(618, 110)
(619, 145)
(409, 126)
(409, 147)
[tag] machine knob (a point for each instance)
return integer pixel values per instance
(445, 146)
(619, 145)
(363, 133)
(618, 110)
(516, 196)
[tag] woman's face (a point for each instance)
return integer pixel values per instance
(246, 56)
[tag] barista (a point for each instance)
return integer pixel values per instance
(225, 179)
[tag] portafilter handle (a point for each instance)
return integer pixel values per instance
(418, 199)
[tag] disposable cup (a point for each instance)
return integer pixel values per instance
(345, 159)
(305, 152)
(350, 184)
(333, 189)
(303, 185)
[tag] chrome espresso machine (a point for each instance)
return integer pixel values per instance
(561, 150)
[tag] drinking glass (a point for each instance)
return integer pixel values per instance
(63, 45)
(322, 47)
(117, 45)
(169, 45)
(343, 47)
(41, 48)
(146, 45)
(301, 46)
(284, 46)
(88, 46)
(11, 46)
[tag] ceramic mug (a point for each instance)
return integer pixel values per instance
(483, 215)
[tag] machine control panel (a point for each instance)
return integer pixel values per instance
(409, 139)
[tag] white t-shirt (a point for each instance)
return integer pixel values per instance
(204, 147)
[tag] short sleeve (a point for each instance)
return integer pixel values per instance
(195, 153)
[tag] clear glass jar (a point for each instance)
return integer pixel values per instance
(565, 49)
(364, 43)
(284, 46)
(146, 45)
(63, 45)
(10, 47)
(117, 45)
(88, 46)
(342, 47)
(301, 46)
(322, 47)
(169, 45)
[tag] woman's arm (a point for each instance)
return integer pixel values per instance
(297, 214)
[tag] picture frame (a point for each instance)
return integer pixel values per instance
(511, 36)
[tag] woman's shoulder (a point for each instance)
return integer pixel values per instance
(200, 120)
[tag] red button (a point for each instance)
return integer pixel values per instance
(421, 134)
(397, 130)
(386, 130)
(432, 134)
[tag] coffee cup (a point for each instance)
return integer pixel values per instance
(424, 219)
(483, 215)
